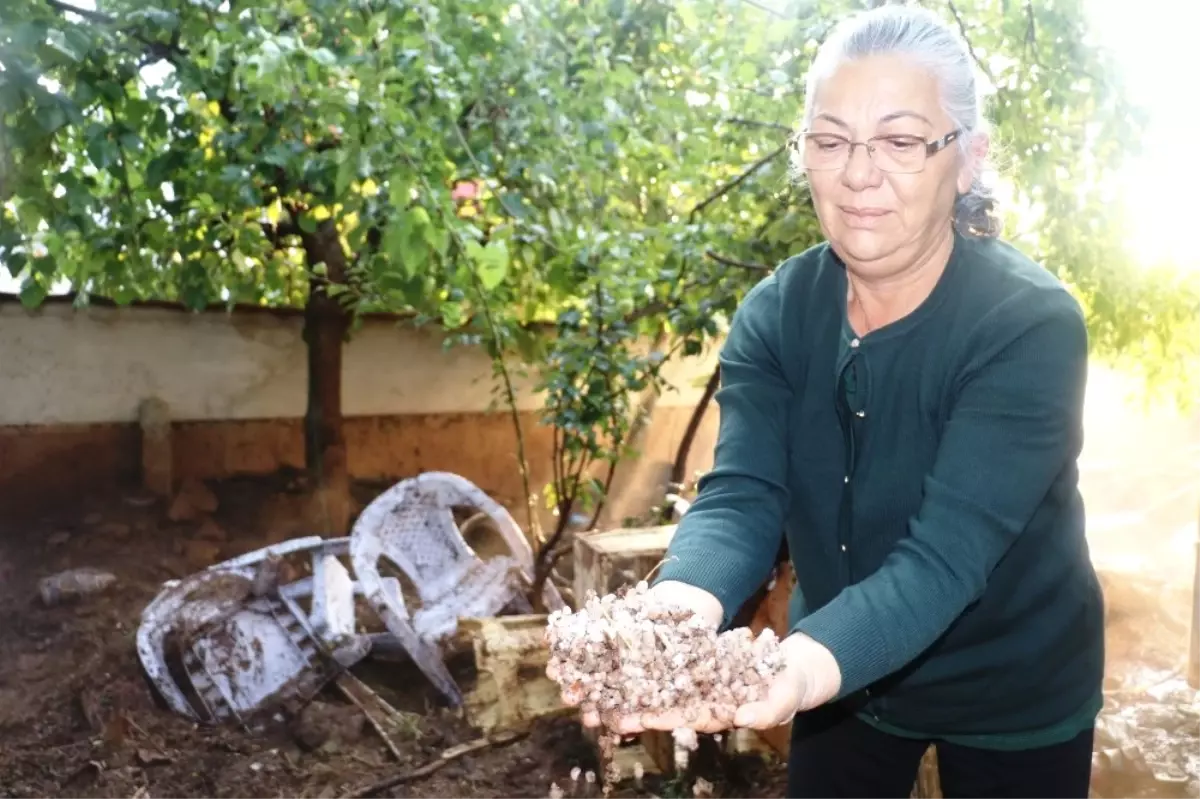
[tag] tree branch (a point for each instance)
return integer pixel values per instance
(725, 259)
(761, 7)
(679, 467)
(451, 754)
(155, 50)
(86, 13)
(962, 28)
(756, 123)
(733, 184)
(1031, 45)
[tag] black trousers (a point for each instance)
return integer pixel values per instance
(836, 754)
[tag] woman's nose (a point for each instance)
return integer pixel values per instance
(860, 171)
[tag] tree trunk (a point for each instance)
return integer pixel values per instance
(326, 323)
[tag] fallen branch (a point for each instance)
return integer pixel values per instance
(342, 684)
(451, 754)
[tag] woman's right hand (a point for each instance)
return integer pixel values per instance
(706, 607)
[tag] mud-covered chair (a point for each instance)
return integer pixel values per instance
(412, 525)
(244, 640)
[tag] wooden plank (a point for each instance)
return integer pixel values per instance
(929, 783)
(511, 687)
(607, 560)
(631, 542)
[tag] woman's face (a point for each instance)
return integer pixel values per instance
(881, 222)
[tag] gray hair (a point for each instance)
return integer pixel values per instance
(919, 34)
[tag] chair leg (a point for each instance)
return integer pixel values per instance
(427, 657)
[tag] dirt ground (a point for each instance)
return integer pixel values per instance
(77, 717)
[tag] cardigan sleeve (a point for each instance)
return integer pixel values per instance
(727, 541)
(1014, 426)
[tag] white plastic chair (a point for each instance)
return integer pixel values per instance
(242, 651)
(412, 525)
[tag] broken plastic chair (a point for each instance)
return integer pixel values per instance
(412, 525)
(243, 645)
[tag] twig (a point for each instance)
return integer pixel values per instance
(608, 479)
(962, 28)
(693, 426)
(733, 184)
(89, 14)
(451, 754)
(135, 727)
(755, 123)
(768, 9)
(387, 739)
(345, 680)
(1031, 44)
(725, 259)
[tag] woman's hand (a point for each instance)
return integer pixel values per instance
(810, 678)
(704, 605)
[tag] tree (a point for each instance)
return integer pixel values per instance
(257, 153)
(614, 173)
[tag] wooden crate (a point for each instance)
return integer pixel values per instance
(511, 688)
(771, 611)
(608, 560)
(605, 561)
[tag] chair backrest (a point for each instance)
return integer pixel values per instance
(412, 524)
(419, 534)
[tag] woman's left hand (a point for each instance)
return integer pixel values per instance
(810, 677)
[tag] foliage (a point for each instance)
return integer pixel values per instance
(544, 178)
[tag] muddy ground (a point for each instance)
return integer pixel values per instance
(77, 718)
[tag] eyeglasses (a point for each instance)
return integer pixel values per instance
(897, 154)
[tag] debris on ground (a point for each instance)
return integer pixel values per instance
(77, 717)
(74, 584)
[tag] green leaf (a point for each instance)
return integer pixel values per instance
(307, 224)
(32, 293)
(404, 240)
(398, 192)
(51, 117)
(15, 262)
(438, 239)
(453, 316)
(346, 172)
(491, 262)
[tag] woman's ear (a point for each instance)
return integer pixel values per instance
(976, 154)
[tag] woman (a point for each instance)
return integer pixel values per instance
(904, 403)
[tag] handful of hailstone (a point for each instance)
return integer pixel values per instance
(627, 653)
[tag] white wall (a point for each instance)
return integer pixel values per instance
(59, 365)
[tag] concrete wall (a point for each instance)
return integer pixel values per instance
(71, 382)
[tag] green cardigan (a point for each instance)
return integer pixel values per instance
(925, 477)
